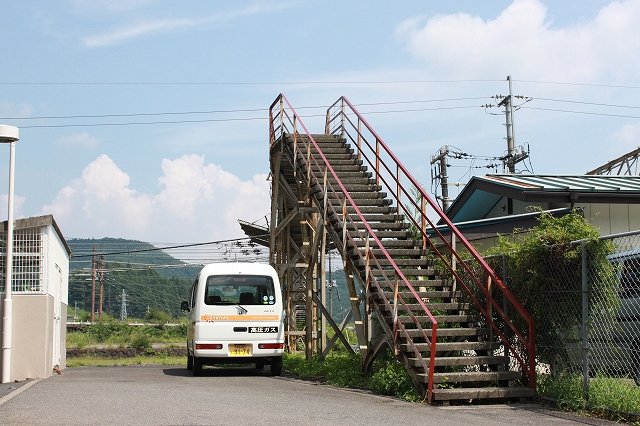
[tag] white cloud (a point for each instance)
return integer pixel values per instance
(198, 202)
(11, 110)
(208, 201)
(146, 27)
(101, 201)
(626, 139)
(523, 41)
(18, 202)
(109, 6)
(81, 140)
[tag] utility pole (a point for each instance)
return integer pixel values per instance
(511, 138)
(93, 285)
(441, 158)
(512, 158)
(101, 285)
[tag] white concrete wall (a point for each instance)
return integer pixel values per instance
(39, 320)
(32, 336)
(612, 218)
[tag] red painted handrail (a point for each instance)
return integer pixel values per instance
(339, 122)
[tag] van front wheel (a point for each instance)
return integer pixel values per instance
(197, 366)
(276, 366)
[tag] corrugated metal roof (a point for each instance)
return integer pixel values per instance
(482, 193)
(582, 183)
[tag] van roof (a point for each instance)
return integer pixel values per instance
(228, 268)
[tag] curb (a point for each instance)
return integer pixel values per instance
(18, 391)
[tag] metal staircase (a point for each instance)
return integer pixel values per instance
(440, 315)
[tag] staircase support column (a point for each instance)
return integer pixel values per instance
(310, 279)
(355, 307)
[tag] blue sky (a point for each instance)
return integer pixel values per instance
(190, 182)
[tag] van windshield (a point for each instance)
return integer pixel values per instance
(239, 290)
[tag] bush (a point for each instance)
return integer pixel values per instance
(141, 341)
(544, 267)
(158, 316)
(392, 379)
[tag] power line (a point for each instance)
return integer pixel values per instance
(616, 86)
(297, 83)
(141, 123)
(582, 112)
(232, 119)
(165, 248)
(228, 111)
(239, 83)
(589, 103)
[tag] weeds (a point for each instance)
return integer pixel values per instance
(139, 360)
(119, 334)
(392, 379)
(344, 370)
(612, 397)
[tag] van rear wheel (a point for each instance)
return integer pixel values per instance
(189, 361)
(276, 366)
(197, 366)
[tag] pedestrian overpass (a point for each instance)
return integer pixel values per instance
(448, 318)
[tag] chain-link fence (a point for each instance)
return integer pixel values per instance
(585, 299)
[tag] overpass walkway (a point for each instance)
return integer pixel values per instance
(455, 327)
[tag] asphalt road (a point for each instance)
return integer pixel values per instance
(168, 395)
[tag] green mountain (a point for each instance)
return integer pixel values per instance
(136, 253)
(128, 266)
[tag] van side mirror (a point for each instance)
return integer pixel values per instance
(184, 306)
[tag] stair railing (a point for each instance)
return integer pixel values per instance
(285, 122)
(343, 119)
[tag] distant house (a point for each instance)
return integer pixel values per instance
(496, 204)
(40, 281)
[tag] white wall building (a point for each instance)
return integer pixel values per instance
(40, 288)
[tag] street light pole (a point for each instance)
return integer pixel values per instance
(8, 134)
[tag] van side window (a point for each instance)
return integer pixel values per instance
(239, 289)
(194, 291)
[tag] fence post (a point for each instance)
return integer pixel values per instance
(585, 317)
(505, 304)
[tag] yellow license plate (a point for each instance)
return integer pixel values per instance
(239, 350)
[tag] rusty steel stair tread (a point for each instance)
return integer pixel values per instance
(433, 307)
(440, 318)
(472, 376)
(452, 346)
(450, 332)
(384, 261)
(482, 393)
(449, 361)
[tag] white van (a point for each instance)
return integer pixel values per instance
(235, 317)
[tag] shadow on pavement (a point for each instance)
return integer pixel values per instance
(219, 371)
